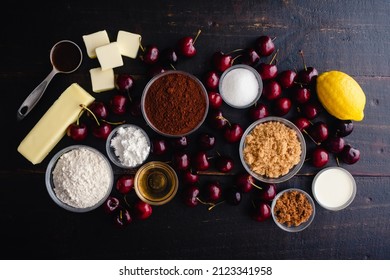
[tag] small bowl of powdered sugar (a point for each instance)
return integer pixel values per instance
(79, 178)
(128, 146)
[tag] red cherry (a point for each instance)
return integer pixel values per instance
(123, 218)
(307, 75)
(258, 111)
(99, 109)
(118, 104)
(250, 57)
(221, 61)
(155, 69)
(217, 120)
(286, 78)
(310, 110)
(213, 191)
(268, 192)
(244, 182)
(335, 144)
(125, 184)
(233, 133)
(282, 106)
(189, 177)
(180, 143)
(142, 210)
(215, 99)
(264, 45)
(102, 131)
(302, 123)
(267, 71)
(301, 95)
(124, 82)
(350, 155)
(320, 157)
(111, 204)
(200, 161)
(319, 131)
(191, 196)
(186, 45)
(77, 132)
(150, 54)
(224, 163)
(206, 141)
(211, 80)
(271, 90)
(261, 212)
(159, 146)
(181, 160)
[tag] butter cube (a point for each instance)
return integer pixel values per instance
(128, 43)
(53, 125)
(102, 80)
(95, 40)
(109, 56)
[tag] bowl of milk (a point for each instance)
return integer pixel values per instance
(334, 188)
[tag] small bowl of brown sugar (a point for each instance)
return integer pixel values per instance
(174, 103)
(272, 149)
(293, 210)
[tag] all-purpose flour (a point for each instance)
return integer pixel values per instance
(81, 178)
(130, 146)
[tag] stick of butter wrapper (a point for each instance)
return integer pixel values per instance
(50, 129)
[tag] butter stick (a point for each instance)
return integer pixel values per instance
(52, 126)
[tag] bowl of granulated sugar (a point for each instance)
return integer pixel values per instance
(240, 86)
(79, 178)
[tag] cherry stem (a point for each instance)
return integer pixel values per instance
(233, 51)
(256, 186)
(79, 116)
(196, 37)
(114, 123)
(89, 110)
(273, 39)
(173, 67)
(215, 204)
(234, 59)
(140, 45)
(303, 59)
(337, 161)
(274, 57)
(311, 138)
(223, 118)
(125, 199)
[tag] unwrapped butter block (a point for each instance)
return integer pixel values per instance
(95, 40)
(109, 56)
(128, 43)
(102, 80)
(53, 125)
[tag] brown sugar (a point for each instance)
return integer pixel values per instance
(292, 208)
(272, 149)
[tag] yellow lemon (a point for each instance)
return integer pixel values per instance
(341, 95)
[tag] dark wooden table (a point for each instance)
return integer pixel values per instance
(351, 36)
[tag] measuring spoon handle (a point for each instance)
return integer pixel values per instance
(33, 98)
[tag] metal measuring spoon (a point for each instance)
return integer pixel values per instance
(65, 57)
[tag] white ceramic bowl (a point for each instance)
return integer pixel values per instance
(294, 170)
(111, 150)
(50, 184)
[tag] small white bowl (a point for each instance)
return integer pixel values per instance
(303, 225)
(243, 83)
(50, 184)
(334, 188)
(111, 150)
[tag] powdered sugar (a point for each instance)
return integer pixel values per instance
(81, 178)
(130, 145)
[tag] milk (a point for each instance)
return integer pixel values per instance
(334, 188)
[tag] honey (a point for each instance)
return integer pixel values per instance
(156, 183)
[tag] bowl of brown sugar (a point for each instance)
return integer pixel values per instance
(293, 210)
(272, 149)
(174, 103)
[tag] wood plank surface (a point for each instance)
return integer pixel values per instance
(351, 36)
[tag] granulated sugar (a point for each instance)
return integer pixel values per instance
(239, 87)
(131, 146)
(81, 178)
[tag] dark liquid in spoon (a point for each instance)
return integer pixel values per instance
(66, 57)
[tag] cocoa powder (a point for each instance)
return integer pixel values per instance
(175, 104)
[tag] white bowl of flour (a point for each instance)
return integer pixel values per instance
(79, 178)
